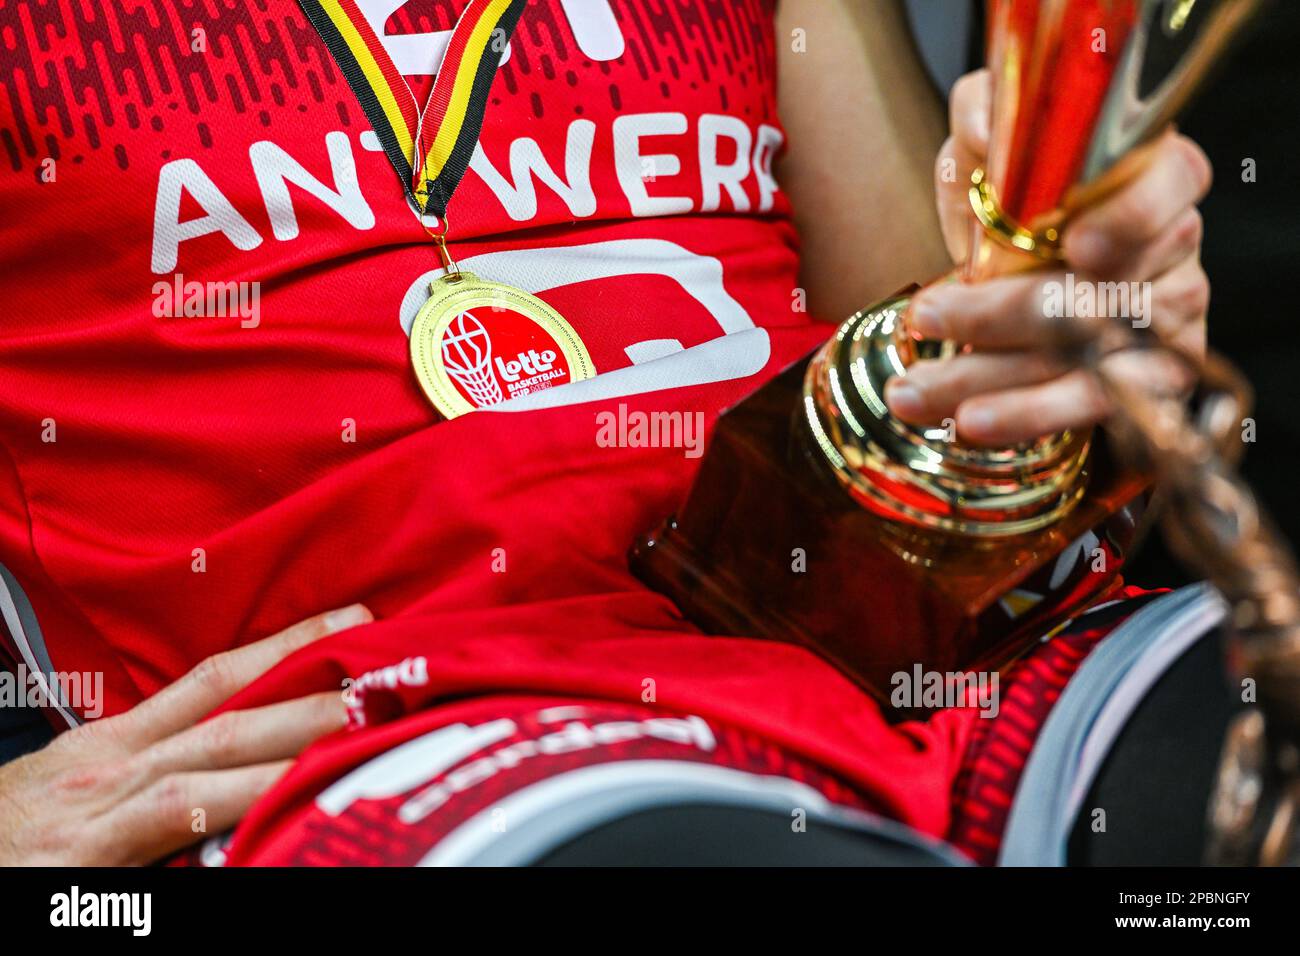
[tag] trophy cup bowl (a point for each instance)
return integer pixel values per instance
(913, 548)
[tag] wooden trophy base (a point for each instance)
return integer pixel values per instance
(770, 545)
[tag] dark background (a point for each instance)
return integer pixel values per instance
(1252, 255)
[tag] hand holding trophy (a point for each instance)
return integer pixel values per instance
(921, 549)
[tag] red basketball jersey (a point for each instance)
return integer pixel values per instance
(210, 425)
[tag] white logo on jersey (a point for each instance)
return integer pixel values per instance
(741, 351)
(418, 54)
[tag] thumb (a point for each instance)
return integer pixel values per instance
(965, 149)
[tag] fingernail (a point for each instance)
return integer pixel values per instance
(904, 399)
(927, 320)
(979, 421)
(346, 617)
(982, 127)
(1089, 248)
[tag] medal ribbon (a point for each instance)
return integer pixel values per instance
(441, 137)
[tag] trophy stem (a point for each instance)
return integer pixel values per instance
(923, 476)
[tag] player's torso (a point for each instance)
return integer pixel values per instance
(211, 268)
(197, 200)
(159, 153)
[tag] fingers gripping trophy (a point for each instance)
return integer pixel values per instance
(920, 549)
(1067, 128)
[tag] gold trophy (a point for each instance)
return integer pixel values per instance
(917, 548)
(1067, 128)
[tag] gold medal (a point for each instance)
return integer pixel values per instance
(476, 344)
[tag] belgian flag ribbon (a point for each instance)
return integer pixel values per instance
(431, 147)
(466, 319)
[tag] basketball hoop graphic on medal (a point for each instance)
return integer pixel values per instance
(475, 343)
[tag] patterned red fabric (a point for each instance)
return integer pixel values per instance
(379, 796)
(174, 482)
(999, 748)
(400, 813)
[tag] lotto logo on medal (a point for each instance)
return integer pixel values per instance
(476, 344)
(515, 357)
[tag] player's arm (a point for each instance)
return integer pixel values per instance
(864, 125)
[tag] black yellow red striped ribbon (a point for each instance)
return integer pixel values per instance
(429, 148)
